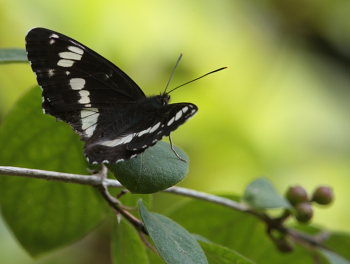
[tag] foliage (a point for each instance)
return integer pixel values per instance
(143, 173)
(65, 213)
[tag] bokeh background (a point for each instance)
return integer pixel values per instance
(280, 110)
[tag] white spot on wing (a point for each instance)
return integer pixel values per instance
(76, 50)
(77, 83)
(117, 141)
(69, 55)
(89, 120)
(84, 97)
(52, 41)
(178, 115)
(65, 63)
(146, 131)
(185, 109)
(171, 121)
(51, 72)
(54, 36)
(155, 127)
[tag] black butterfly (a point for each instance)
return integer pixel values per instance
(102, 104)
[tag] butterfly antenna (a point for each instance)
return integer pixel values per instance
(222, 68)
(173, 72)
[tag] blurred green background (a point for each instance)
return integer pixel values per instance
(280, 110)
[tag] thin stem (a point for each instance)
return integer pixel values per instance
(115, 204)
(95, 180)
(100, 181)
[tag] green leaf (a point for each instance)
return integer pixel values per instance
(154, 170)
(235, 230)
(127, 246)
(333, 258)
(339, 242)
(44, 215)
(218, 254)
(261, 194)
(174, 243)
(13, 55)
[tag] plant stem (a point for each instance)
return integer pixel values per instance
(100, 181)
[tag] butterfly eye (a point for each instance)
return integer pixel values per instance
(165, 99)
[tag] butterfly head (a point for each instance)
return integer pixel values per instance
(164, 99)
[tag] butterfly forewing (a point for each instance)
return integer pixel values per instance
(105, 106)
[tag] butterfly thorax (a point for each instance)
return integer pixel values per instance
(158, 101)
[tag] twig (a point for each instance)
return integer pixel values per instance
(95, 180)
(116, 205)
(102, 183)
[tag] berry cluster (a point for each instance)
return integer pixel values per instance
(302, 204)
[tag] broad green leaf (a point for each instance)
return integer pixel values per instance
(154, 170)
(333, 258)
(174, 243)
(261, 194)
(127, 245)
(44, 215)
(218, 254)
(13, 55)
(339, 242)
(235, 230)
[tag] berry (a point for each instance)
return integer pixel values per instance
(323, 195)
(304, 212)
(296, 194)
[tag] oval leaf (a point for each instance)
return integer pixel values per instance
(339, 242)
(174, 243)
(218, 254)
(261, 194)
(44, 215)
(13, 55)
(154, 170)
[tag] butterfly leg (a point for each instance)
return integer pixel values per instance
(172, 148)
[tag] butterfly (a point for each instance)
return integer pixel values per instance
(109, 111)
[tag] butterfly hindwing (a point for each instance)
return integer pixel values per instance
(139, 136)
(105, 106)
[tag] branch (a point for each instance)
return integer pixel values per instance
(102, 183)
(95, 180)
